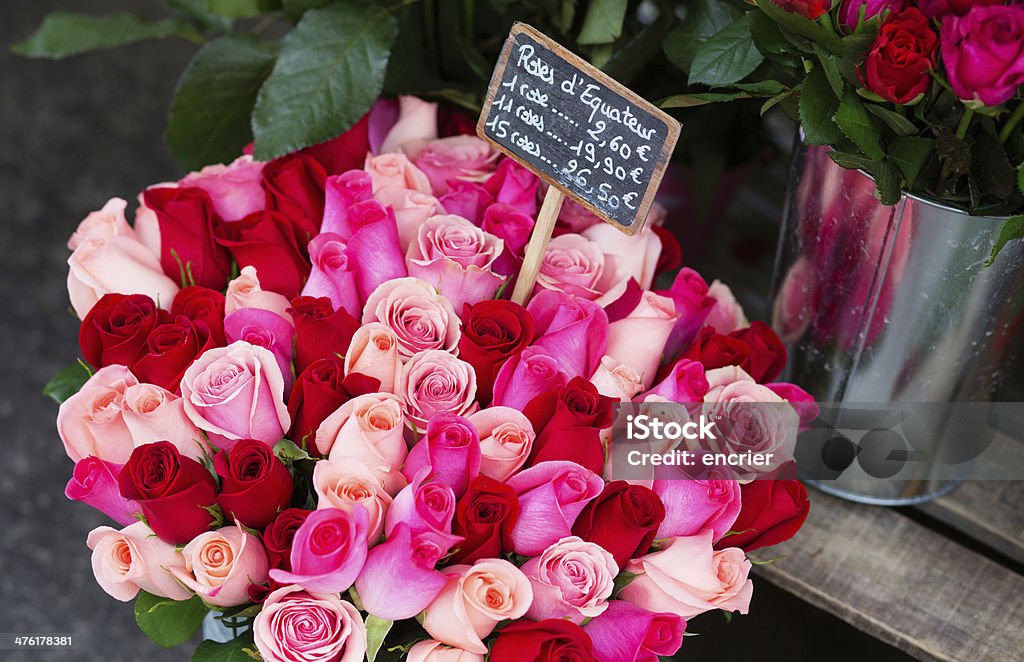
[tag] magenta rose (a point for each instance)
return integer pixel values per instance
(984, 53)
(450, 449)
(571, 329)
(689, 292)
(524, 377)
(341, 192)
(514, 185)
(427, 503)
(328, 551)
(849, 10)
(262, 328)
(551, 497)
(513, 227)
(468, 200)
(693, 506)
(94, 482)
(627, 632)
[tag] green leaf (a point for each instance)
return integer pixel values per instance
(798, 25)
(169, 622)
(886, 175)
(855, 46)
(330, 71)
(603, 22)
(726, 57)
(287, 451)
(376, 630)
(855, 122)
(242, 8)
(209, 120)
(992, 168)
(700, 99)
(631, 59)
(818, 104)
(900, 125)
(196, 10)
(1020, 178)
(767, 88)
(624, 579)
(704, 19)
(67, 382)
(771, 42)
(911, 155)
(240, 649)
(1013, 228)
(66, 33)
(777, 99)
(830, 66)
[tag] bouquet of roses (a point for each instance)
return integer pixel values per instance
(306, 403)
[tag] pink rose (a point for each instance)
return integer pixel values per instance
(416, 125)
(652, 320)
(332, 275)
(220, 565)
(235, 188)
(514, 228)
(367, 429)
(627, 632)
(849, 10)
(693, 506)
(396, 171)
(412, 209)
(341, 193)
(245, 292)
(456, 258)
(506, 440)
(434, 382)
(297, 626)
(688, 577)
(450, 450)
(133, 559)
(686, 383)
(571, 579)
(328, 551)
(430, 650)
(349, 484)
(727, 314)
(474, 600)
(153, 414)
(457, 157)
(984, 53)
(794, 302)
(398, 580)
(616, 379)
(427, 503)
(690, 294)
(103, 224)
(638, 253)
(551, 497)
(236, 392)
(571, 329)
(420, 318)
(263, 328)
(120, 264)
(374, 352)
(575, 265)
(576, 217)
(91, 422)
(524, 377)
(94, 482)
(512, 184)
(468, 200)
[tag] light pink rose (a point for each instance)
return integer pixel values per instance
(412, 208)
(571, 579)
(236, 392)
(297, 626)
(616, 379)
(395, 171)
(727, 314)
(639, 253)
(435, 382)
(368, 429)
(430, 650)
(134, 559)
(103, 224)
(688, 577)
(456, 258)
(416, 126)
(374, 352)
(506, 439)
(91, 422)
(121, 264)
(652, 320)
(245, 292)
(419, 316)
(575, 265)
(474, 600)
(347, 483)
(235, 188)
(155, 414)
(457, 157)
(220, 565)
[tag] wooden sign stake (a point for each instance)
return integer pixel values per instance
(542, 230)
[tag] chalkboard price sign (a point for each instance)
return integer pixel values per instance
(577, 128)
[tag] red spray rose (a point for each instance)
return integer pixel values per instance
(266, 240)
(772, 512)
(484, 516)
(897, 64)
(623, 519)
(116, 328)
(568, 422)
(171, 349)
(201, 304)
(493, 332)
(318, 392)
(254, 483)
(173, 491)
(320, 330)
(186, 220)
(552, 640)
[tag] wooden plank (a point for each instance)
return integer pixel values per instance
(902, 583)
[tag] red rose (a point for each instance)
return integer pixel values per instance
(116, 328)
(318, 392)
(811, 9)
(568, 422)
(201, 304)
(671, 257)
(346, 152)
(767, 356)
(552, 640)
(493, 331)
(714, 350)
(772, 512)
(266, 240)
(171, 349)
(897, 64)
(484, 516)
(188, 248)
(623, 519)
(279, 534)
(173, 491)
(320, 330)
(295, 188)
(453, 121)
(254, 483)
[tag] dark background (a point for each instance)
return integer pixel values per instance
(73, 134)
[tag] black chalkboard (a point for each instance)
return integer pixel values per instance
(577, 128)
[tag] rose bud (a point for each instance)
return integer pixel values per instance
(133, 559)
(772, 512)
(572, 330)
(201, 304)
(220, 565)
(116, 328)
(898, 63)
(279, 534)
(451, 450)
(551, 497)
(425, 504)
(623, 519)
(494, 331)
(485, 517)
(849, 10)
(254, 483)
(627, 632)
(809, 9)
(569, 422)
(552, 640)
(328, 551)
(514, 185)
(94, 482)
(320, 331)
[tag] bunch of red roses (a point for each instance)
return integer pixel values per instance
(312, 411)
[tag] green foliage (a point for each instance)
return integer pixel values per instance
(376, 631)
(603, 22)
(65, 33)
(169, 622)
(242, 8)
(728, 57)
(67, 382)
(704, 19)
(239, 649)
